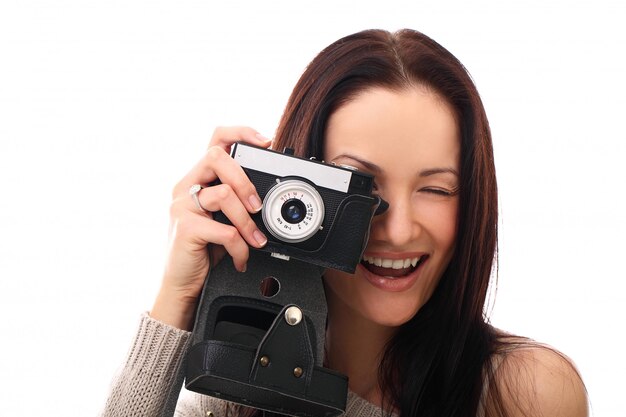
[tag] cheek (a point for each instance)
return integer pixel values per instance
(440, 222)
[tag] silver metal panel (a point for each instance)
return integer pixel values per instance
(282, 166)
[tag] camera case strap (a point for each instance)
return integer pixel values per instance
(258, 339)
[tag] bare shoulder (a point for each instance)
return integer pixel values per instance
(533, 379)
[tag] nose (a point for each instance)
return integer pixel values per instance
(397, 225)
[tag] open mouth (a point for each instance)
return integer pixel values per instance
(392, 268)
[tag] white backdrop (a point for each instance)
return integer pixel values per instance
(104, 105)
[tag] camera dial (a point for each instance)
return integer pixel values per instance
(293, 211)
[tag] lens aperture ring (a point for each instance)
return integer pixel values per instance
(293, 211)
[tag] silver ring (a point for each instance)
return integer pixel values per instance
(193, 191)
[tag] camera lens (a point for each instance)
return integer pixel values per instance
(293, 211)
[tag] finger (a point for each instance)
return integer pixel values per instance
(230, 239)
(223, 198)
(201, 231)
(224, 137)
(218, 164)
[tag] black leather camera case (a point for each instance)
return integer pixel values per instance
(245, 351)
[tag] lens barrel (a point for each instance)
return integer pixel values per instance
(293, 211)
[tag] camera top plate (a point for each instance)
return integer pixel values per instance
(333, 177)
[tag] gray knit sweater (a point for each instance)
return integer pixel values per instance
(142, 385)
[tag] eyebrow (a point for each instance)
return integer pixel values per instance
(376, 169)
(435, 171)
(369, 165)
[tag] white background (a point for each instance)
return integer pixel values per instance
(105, 105)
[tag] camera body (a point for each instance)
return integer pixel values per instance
(312, 211)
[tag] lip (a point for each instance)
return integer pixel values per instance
(392, 284)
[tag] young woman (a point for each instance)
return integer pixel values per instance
(408, 328)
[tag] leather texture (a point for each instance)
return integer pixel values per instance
(236, 326)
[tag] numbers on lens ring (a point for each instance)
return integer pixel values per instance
(281, 222)
(292, 194)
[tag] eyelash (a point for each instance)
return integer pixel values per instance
(440, 191)
(436, 191)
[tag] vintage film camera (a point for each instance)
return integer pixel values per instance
(312, 211)
(258, 338)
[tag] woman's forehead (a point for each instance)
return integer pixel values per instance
(393, 127)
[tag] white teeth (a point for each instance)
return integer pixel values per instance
(392, 263)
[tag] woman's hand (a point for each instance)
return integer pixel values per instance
(193, 232)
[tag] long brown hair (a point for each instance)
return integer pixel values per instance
(434, 364)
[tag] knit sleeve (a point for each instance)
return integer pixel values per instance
(149, 373)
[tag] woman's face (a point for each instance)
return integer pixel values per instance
(409, 140)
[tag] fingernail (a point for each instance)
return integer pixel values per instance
(260, 238)
(263, 138)
(244, 268)
(255, 202)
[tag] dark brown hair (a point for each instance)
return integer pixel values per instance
(434, 365)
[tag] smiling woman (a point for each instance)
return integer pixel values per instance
(408, 328)
(409, 139)
(399, 137)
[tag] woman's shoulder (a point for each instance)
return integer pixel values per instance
(529, 378)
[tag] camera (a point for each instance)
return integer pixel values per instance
(312, 211)
(263, 347)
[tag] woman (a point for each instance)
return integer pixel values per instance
(408, 328)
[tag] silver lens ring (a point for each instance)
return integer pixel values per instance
(301, 226)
